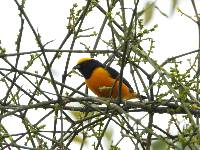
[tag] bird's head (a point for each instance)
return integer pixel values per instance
(80, 63)
(86, 66)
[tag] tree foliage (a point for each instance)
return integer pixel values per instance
(55, 113)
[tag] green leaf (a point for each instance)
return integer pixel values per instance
(78, 139)
(109, 134)
(158, 145)
(113, 147)
(109, 137)
(174, 4)
(77, 115)
(149, 10)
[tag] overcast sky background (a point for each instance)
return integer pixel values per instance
(174, 35)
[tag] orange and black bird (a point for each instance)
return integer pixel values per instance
(103, 80)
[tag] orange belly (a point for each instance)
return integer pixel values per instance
(101, 84)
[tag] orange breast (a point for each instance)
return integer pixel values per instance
(103, 85)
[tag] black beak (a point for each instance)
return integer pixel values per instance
(76, 67)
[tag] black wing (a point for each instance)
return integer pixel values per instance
(114, 74)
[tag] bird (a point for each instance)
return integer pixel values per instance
(103, 80)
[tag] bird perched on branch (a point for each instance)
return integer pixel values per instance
(103, 80)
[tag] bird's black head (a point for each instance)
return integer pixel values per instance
(87, 65)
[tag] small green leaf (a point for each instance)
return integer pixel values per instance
(158, 145)
(113, 147)
(78, 139)
(109, 136)
(149, 10)
(77, 115)
(174, 4)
